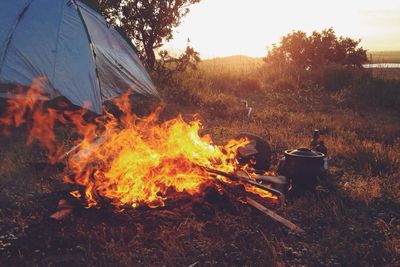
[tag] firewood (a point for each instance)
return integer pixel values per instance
(86, 152)
(242, 178)
(61, 214)
(274, 216)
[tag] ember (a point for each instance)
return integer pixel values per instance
(128, 160)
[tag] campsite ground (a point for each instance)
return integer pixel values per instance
(352, 219)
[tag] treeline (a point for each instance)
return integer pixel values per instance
(315, 50)
(321, 61)
(300, 67)
(331, 63)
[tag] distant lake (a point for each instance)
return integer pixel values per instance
(382, 65)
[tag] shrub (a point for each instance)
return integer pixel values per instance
(283, 85)
(182, 95)
(248, 87)
(377, 92)
(333, 77)
(222, 83)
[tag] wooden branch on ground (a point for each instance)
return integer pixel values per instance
(274, 216)
(263, 209)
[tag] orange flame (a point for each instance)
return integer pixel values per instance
(128, 160)
(41, 121)
(139, 162)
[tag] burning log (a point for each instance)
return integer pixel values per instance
(239, 176)
(133, 161)
(84, 153)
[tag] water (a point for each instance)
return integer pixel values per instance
(382, 65)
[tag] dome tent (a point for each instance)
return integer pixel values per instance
(80, 55)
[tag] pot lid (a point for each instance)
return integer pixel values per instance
(304, 153)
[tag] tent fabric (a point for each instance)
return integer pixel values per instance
(114, 53)
(73, 47)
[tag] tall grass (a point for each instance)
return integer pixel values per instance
(287, 105)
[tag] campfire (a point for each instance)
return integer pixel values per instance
(132, 161)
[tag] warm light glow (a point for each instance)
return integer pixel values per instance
(232, 27)
(139, 161)
(127, 160)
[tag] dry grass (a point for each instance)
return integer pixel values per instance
(352, 220)
(364, 150)
(364, 143)
(386, 73)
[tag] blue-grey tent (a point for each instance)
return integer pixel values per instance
(80, 55)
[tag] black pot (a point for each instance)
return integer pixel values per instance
(302, 166)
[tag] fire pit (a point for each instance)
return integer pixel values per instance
(133, 161)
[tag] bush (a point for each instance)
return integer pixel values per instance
(283, 85)
(377, 92)
(223, 83)
(248, 87)
(333, 77)
(182, 95)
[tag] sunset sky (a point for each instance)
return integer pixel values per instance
(232, 27)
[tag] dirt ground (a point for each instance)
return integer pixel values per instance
(201, 231)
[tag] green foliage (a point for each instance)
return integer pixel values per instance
(168, 66)
(332, 65)
(330, 85)
(149, 23)
(334, 77)
(320, 48)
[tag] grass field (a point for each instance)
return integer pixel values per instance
(362, 199)
(386, 73)
(384, 56)
(351, 219)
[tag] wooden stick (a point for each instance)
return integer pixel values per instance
(86, 151)
(234, 177)
(274, 216)
(265, 210)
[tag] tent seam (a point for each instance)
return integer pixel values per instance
(109, 25)
(91, 45)
(12, 34)
(58, 39)
(116, 34)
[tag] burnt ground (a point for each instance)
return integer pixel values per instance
(199, 231)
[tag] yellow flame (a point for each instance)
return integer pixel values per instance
(128, 160)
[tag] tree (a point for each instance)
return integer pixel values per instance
(320, 48)
(149, 23)
(168, 65)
